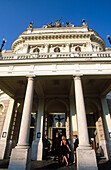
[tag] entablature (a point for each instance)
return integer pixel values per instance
(57, 35)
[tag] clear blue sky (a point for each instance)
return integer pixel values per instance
(15, 16)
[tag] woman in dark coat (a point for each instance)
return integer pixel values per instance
(65, 150)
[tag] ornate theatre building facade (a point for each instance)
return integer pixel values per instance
(56, 79)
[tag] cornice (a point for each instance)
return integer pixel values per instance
(64, 36)
(98, 39)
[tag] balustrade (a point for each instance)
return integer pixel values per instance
(54, 55)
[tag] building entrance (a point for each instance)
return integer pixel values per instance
(60, 131)
(57, 124)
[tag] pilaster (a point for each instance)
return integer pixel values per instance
(46, 48)
(67, 47)
(107, 126)
(5, 131)
(37, 144)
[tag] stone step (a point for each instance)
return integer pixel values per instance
(50, 164)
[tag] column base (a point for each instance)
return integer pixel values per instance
(5, 148)
(86, 159)
(2, 148)
(105, 149)
(20, 159)
(37, 150)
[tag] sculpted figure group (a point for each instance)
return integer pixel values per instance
(57, 24)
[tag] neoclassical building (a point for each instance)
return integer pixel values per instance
(55, 79)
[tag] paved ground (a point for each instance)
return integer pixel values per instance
(4, 164)
(104, 165)
(51, 165)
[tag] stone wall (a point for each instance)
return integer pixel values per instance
(5, 104)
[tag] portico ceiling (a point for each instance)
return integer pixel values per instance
(55, 86)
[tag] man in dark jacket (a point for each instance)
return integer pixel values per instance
(57, 147)
(46, 147)
(75, 146)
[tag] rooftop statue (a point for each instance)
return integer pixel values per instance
(49, 25)
(67, 23)
(30, 26)
(83, 23)
(57, 24)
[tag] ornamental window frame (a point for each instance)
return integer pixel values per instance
(57, 48)
(36, 48)
(3, 108)
(78, 47)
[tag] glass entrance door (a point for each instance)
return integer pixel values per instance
(57, 124)
(60, 131)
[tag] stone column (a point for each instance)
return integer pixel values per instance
(21, 156)
(86, 158)
(107, 127)
(81, 114)
(23, 141)
(37, 144)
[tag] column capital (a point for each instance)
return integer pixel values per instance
(46, 45)
(30, 76)
(77, 77)
(67, 44)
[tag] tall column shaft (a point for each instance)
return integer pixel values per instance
(26, 116)
(81, 114)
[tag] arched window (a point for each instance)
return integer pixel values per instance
(57, 50)
(1, 109)
(36, 50)
(78, 49)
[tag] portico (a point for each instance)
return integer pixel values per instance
(74, 87)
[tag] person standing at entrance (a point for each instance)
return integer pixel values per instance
(75, 144)
(65, 150)
(60, 150)
(57, 147)
(46, 147)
